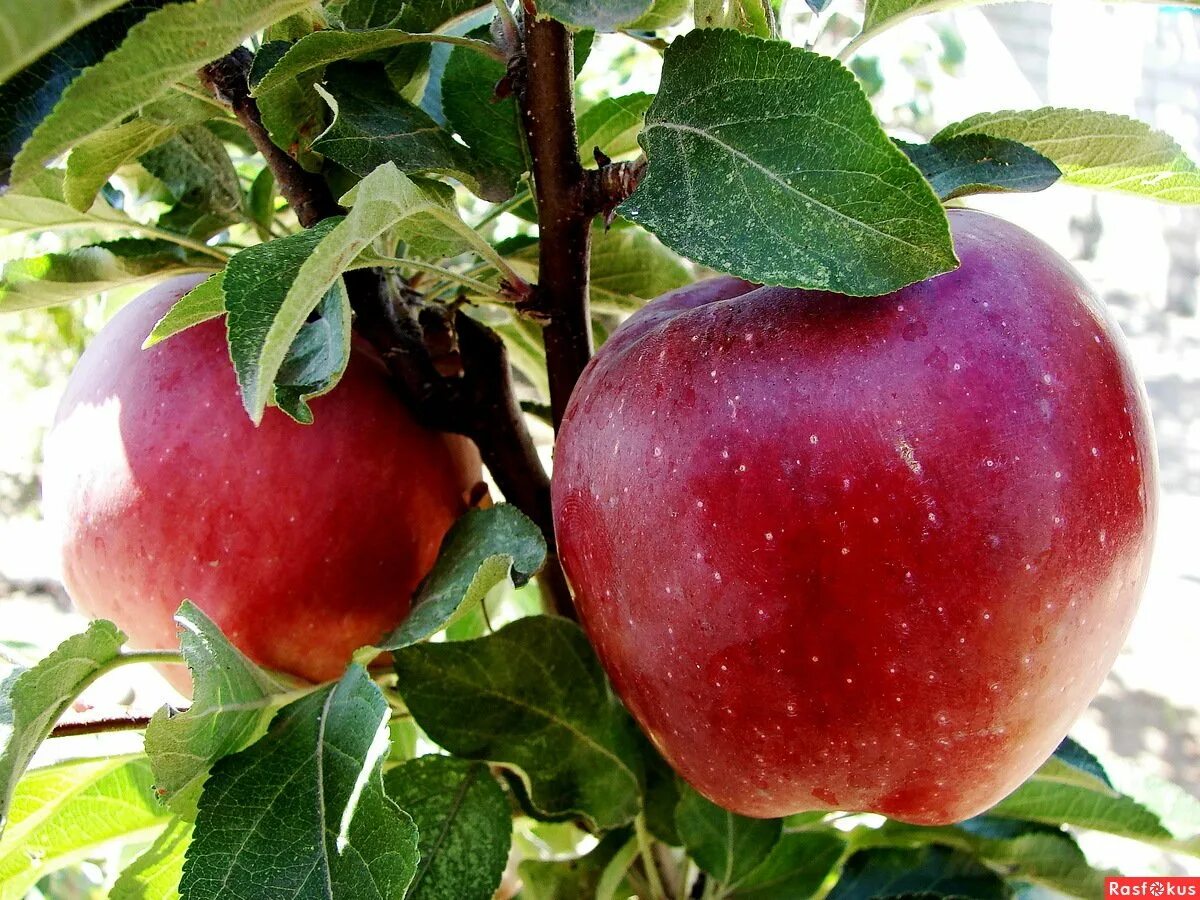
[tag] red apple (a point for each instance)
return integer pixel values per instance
(865, 554)
(302, 543)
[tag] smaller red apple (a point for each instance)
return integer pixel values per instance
(302, 543)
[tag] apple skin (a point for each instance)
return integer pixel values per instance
(302, 543)
(870, 554)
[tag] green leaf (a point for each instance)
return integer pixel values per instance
(39, 205)
(796, 867)
(489, 124)
(484, 547)
(318, 356)
(260, 202)
(63, 277)
(309, 56)
(724, 844)
(264, 320)
(750, 16)
(196, 169)
(465, 825)
(531, 696)
(928, 870)
(32, 700)
(1044, 855)
(155, 874)
(663, 792)
(28, 96)
(203, 302)
(1072, 788)
(69, 812)
(662, 14)
(1095, 149)
(256, 286)
(979, 164)
(572, 879)
(602, 15)
(612, 125)
(629, 266)
(160, 50)
(292, 111)
(373, 125)
(302, 813)
(28, 30)
(233, 701)
(96, 158)
(788, 180)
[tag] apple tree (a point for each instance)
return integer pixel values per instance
(845, 527)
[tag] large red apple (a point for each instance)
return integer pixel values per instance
(864, 554)
(303, 543)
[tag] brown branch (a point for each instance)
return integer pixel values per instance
(307, 193)
(99, 726)
(568, 198)
(471, 394)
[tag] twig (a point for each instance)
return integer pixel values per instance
(99, 726)
(307, 193)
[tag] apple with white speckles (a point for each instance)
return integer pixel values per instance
(302, 543)
(865, 554)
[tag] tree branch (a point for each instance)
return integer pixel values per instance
(307, 193)
(569, 197)
(546, 97)
(99, 726)
(463, 387)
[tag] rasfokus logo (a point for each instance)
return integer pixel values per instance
(1152, 886)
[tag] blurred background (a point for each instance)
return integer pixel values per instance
(1143, 259)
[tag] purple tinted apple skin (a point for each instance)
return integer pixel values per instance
(865, 554)
(303, 543)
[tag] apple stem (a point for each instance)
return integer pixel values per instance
(99, 726)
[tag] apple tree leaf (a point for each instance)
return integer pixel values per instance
(203, 302)
(307, 57)
(662, 14)
(464, 821)
(39, 205)
(489, 124)
(318, 356)
(164, 47)
(484, 547)
(29, 30)
(601, 15)
(373, 125)
(67, 813)
(196, 169)
(1103, 151)
(233, 701)
(598, 873)
(301, 812)
(612, 125)
(573, 745)
(155, 874)
(979, 164)
(1029, 852)
(55, 278)
(256, 285)
(788, 180)
(797, 866)
(33, 699)
(725, 845)
(933, 869)
(97, 157)
(748, 16)
(1073, 788)
(28, 95)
